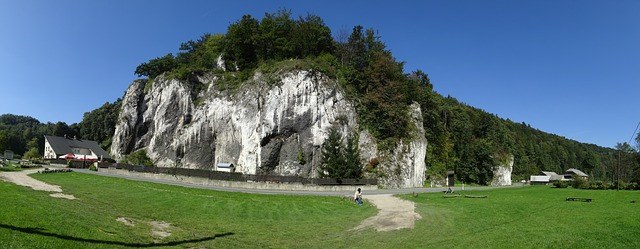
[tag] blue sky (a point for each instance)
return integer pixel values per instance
(567, 67)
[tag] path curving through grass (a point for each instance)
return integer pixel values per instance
(393, 214)
(22, 178)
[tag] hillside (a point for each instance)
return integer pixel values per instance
(381, 94)
(465, 139)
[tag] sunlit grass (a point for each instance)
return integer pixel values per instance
(528, 217)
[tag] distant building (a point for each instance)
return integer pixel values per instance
(572, 173)
(58, 147)
(545, 177)
(552, 175)
(539, 180)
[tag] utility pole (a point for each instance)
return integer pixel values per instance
(618, 173)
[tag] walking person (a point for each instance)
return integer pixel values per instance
(357, 197)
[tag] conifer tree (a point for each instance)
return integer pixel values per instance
(352, 158)
(333, 162)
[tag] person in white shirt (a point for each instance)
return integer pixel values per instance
(357, 197)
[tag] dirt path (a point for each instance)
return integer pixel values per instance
(22, 178)
(393, 214)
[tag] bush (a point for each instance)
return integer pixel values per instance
(8, 166)
(560, 184)
(600, 185)
(93, 167)
(301, 157)
(32, 154)
(619, 185)
(580, 183)
(138, 158)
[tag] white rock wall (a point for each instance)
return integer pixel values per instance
(502, 173)
(294, 114)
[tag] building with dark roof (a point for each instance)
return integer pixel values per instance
(573, 173)
(552, 175)
(56, 147)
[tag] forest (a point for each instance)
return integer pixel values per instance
(460, 137)
(22, 134)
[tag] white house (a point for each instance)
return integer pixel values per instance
(56, 147)
(545, 177)
(539, 180)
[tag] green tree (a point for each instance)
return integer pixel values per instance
(99, 125)
(32, 152)
(638, 142)
(333, 162)
(138, 157)
(61, 129)
(200, 55)
(241, 43)
(352, 158)
(339, 161)
(4, 141)
(275, 38)
(627, 164)
(156, 66)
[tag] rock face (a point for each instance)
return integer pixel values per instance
(502, 173)
(263, 128)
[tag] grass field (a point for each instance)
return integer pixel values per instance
(509, 218)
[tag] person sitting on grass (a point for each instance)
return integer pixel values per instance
(357, 197)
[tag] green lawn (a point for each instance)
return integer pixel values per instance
(526, 217)
(510, 218)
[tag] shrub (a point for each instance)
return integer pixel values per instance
(32, 154)
(138, 157)
(619, 185)
(600, 185)
(560, 184)
(301, 157)
(8, 166)
(93, 167)
(580, 183)
(373, 164)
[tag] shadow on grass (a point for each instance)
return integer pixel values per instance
(40, 231)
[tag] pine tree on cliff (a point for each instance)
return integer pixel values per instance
(352, 158)
(333, 162)
(339, 161)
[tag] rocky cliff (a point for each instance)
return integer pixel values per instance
(265, 127)
(502, 172)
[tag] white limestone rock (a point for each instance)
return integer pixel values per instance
(261, 128)
(502, 173)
